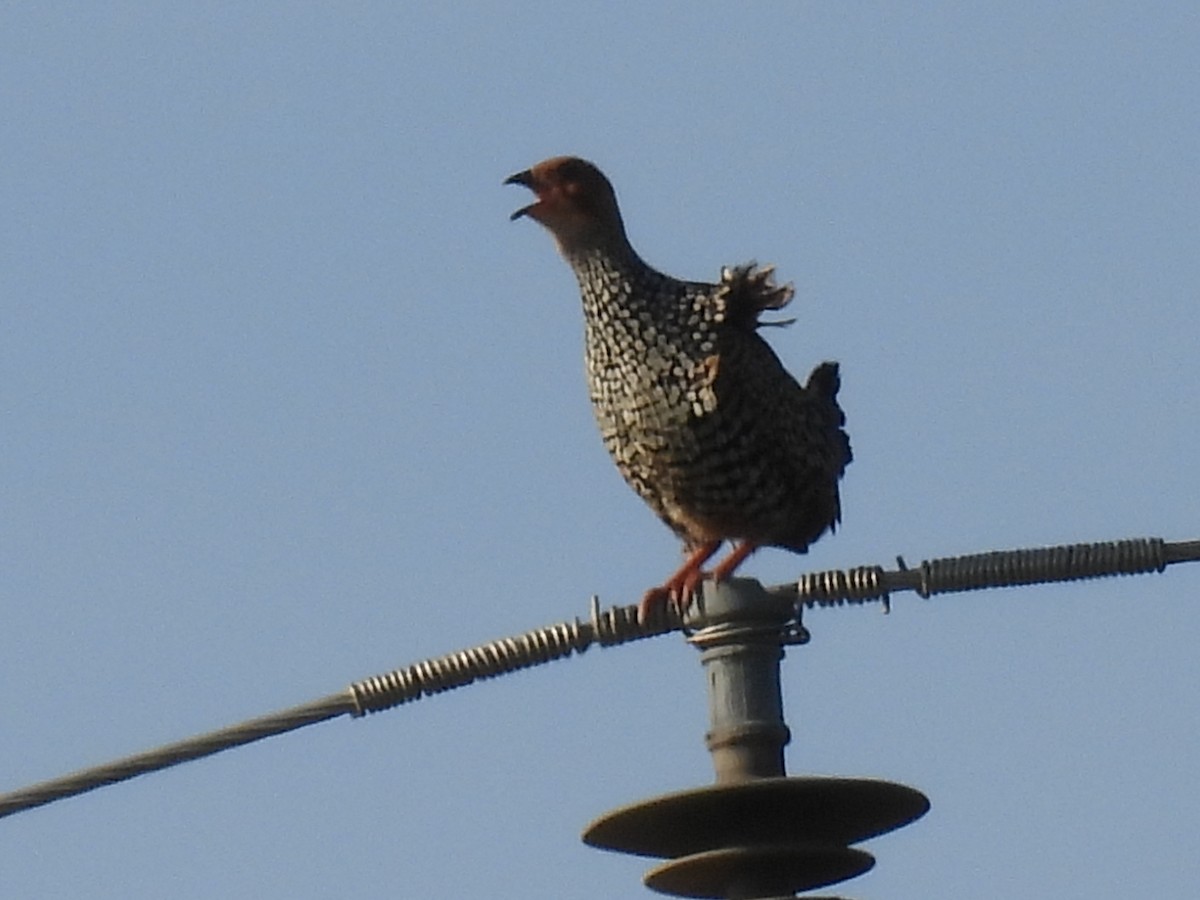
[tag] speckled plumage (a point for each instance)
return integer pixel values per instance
(695, 408)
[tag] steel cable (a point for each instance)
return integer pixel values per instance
(618, 625)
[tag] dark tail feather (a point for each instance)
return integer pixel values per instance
(825, 381)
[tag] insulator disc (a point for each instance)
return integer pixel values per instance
(763, 812)
(757, 871)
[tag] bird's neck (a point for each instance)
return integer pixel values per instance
(613, 267)
(609, 278)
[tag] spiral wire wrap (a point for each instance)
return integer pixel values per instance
(836, 587)
(1000, 568)
(1075, 561)
(542, 645)
(619, 625)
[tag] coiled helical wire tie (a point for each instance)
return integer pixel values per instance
(619, 625)
(1000, 568)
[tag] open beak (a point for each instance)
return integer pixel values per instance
(525, 179)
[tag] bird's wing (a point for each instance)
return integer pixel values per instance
(795, 429)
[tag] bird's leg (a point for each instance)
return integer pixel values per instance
(680, 587)
(726, 566)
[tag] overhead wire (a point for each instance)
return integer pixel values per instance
(619, 625)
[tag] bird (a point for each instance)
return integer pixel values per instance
(698, 413)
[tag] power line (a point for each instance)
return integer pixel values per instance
(619, 625)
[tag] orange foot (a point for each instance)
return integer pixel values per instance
(680, 589)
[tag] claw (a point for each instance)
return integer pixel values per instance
(688, 588)
(653, 600)
(680, 589)
(679, 592)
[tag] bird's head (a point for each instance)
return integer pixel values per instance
(574, 201)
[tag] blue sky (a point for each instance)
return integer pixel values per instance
(286, 400)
